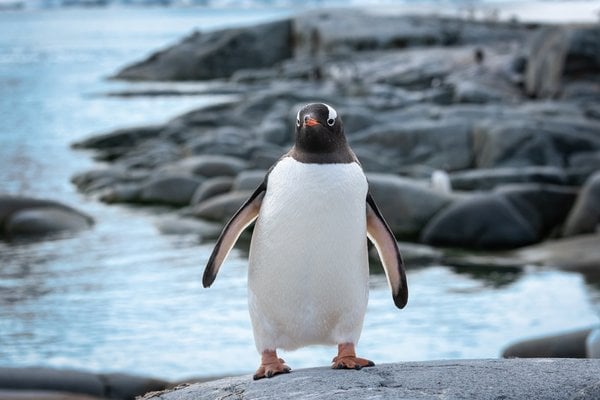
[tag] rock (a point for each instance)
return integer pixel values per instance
(483, 221)
(187, 226)
(592, 344)
(171, 190)
(249, 180)
(545, 63)
(205, 165)
(455, 379)
(48, 381)
(439, 143)
(27, 217)
(406, 204)
(212, 187)
(533, 140)
(122, 193)
(583, 54)
(216, 54)
(512, 216)
(7, 394)
(489, 178)
(221, 207)
(119, 138)
(585, 215)
(579, 253)
(562, 345)
(545, 207)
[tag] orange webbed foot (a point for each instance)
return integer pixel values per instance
(346, 358)
(270, 366)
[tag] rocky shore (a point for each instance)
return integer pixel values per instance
(505, 115)
(461, 379)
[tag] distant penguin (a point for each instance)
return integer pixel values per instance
(308, 271)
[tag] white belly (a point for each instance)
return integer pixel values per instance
(308, 274)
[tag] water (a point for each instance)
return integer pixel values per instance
(123, 297)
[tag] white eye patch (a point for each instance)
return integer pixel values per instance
(331, 116)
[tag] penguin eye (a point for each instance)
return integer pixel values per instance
(298, 121)
(330, 121)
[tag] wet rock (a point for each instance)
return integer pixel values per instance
(221, 207)
(583, 55)
(579, 253)
(205, 165)
(482, 221)
(585, 215)
(217, 54)
(545, 63)
(119, 138)
(171, 190)
(535, 140)
(121, 193)
(75, 384)
(456, 379)
(186, 226)
(489, 178)
(592, 344)
(249, 180)
(562, 345)
(27, 217)
(441, 144)
(406, 204)
(212, 187)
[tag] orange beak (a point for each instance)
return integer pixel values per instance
(311, 122)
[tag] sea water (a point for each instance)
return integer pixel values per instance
(122, 296)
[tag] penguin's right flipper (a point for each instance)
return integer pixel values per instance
(232, 231)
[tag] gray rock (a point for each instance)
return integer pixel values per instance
(489, 178)
(11, 394)
(406, 204)
(121, 193)
(545, 63)
(482, 221)
(46, 381)
(127, 137)
(205, 165)
(579, 253)
(442, 144)
(545, 207)
(221, 207)
(27, 217)
(212, 187)
(187, 226)
(592, 344)
(249, 180)
(562, 345)
(455, 379)
(217, 54)
(583, 55)
(585, 215)
(171, 190)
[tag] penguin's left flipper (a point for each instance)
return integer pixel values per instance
(382, 237)
(232, 231)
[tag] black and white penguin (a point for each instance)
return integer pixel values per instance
(308, 271)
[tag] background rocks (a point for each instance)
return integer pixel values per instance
(22, 217)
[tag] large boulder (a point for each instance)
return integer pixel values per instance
(216, 54)
(561, 345)
(30, 381)
(482, 221)
(512, 216)
(207, 165)
(27, 217)
(220, 207)
(489, 178)
(406, 204)
(453, 379)
(585, 215)
(170, 190)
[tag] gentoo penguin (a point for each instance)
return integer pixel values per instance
(308, 264)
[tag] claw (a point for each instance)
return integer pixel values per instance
(346, 358)
(270, 366)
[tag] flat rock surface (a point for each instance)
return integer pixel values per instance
(457, 379)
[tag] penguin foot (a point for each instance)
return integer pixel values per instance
(270, 366)
(346, 358)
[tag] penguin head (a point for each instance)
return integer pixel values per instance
(319, 129)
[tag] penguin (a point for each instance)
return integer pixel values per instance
(308, 262)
